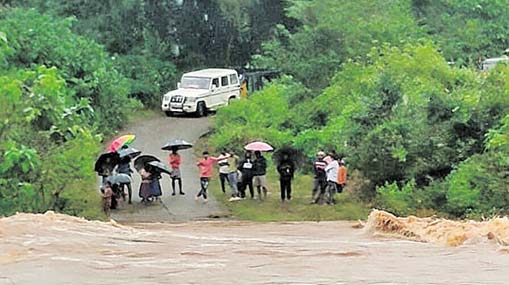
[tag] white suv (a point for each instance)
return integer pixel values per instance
(202, 90)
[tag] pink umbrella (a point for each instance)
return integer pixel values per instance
(260, 146)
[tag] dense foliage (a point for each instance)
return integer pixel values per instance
(57, 90)
(427, 135)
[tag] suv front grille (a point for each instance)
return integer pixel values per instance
(177, 99)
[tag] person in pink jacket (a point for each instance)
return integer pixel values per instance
(206, 165)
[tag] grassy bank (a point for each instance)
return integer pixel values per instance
(298, 209)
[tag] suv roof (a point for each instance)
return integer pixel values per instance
(211, 72)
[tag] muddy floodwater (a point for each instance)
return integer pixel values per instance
(58, 249)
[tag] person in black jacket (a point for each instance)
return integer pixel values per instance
(246, 171)
(286, 168)
(259, 172)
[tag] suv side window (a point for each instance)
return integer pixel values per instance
(215, 81)
(233, 79)
(224, 81)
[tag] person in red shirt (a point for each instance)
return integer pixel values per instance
(206, 165)
(174, 161)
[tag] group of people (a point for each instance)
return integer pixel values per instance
(244, 174)
(330, 177)
(240, 174)
(115, 181)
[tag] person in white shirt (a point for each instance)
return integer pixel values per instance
(223, 170)
(332, 177)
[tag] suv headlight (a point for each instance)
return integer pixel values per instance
(166, 98)
(190, 100)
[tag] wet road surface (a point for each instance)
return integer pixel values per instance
(151, 134)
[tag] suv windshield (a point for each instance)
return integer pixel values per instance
(195, 82)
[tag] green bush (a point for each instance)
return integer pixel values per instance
(89, 72)
(149, 77)
(57, 90)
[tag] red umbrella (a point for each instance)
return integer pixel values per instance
(260, 146)
(120, 142)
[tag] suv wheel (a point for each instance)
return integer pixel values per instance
(231, 99)
(201, 110)
(168, 113)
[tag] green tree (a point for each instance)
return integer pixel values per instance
(333, 32)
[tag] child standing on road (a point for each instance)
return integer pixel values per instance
(107, 197)
(206, 171)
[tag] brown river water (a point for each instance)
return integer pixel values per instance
(58, 249)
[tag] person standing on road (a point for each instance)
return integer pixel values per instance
(206, 165)
(124, 167)
(175, 161)
(144, 191)
(286, 169)
(332, 170)
(259, 172)
(320, 179)
(233, 181)
(246, 171)
(223, 171)
(155, 185)
(107, 197)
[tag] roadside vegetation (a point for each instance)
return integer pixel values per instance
(426, 136)
(72, 74)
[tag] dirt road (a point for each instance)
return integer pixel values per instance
(151, 134)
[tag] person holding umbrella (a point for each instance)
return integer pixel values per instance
(149, 168)
(206, 172)
(124, 167)
(174, 161)
(105, 164)
(259, 172)
(144, 191)
(254, 169)
(156, 168)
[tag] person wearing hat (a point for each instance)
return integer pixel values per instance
(206, 165)
(320, 179)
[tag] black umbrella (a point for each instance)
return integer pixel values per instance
(106, 163)
(119, 179)
(159, 167)
(178, 144)
(142, 160)
(128, 152)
